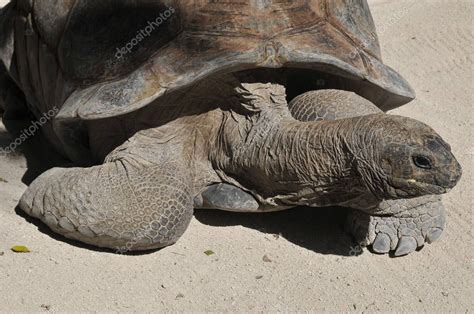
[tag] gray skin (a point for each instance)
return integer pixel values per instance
(240, 149)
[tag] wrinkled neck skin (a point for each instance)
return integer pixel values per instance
(285, 163)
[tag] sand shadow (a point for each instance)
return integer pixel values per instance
(320, 230)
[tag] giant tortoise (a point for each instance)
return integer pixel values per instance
(167, 106)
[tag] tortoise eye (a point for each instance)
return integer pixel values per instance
(422, 162)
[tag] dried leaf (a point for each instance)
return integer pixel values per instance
(20, 249)
(259, 277)
(209, 252)
(266, 259)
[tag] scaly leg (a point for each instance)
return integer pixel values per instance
(136, 200)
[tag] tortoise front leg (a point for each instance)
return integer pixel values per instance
(412, 223)
(406, 224)
(136, 200)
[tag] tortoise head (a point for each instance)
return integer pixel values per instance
(411, 158)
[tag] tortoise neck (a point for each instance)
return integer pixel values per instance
(316, 157)
(288, 162)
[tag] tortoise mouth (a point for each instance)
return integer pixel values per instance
(418, 188)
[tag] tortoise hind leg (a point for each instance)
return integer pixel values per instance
(128, 203)
(408, 223)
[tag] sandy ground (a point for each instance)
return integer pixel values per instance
(311, 268)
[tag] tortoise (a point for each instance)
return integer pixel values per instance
(168, 106)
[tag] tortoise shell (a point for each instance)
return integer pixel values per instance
(98, 59)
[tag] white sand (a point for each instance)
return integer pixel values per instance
(430, 43)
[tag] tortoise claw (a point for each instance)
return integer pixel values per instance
(433, 235)
(406, 245)
(381, 244)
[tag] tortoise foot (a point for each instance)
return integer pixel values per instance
(414, 223)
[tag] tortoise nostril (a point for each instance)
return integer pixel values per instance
(457, 174)
(453, 181)
(453, 175)
(422, 162)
